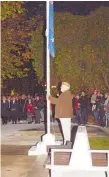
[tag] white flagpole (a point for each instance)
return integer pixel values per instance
(48, 66)
(48, 138)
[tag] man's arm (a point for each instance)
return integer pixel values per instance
(52, 99)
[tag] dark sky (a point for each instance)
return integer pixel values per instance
(79, 7)
(75, 7)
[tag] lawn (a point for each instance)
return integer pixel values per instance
(99, 143)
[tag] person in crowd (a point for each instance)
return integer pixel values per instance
(94, 96)
(14, 110)
(105, 96)
(95, 107)
(77, 108)
(106, 108)
(63, 110)
(73, 109)
(29, 110)
(84, 108)
(37, 107)
(9, 110)
(95, 110)
(23, 107)
(100, 102)
(4, 110)
(19, 107)
(29, 97)
(42, 108)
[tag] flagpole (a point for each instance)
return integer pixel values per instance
(48, 66)
(48, 138)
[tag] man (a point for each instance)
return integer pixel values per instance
(94, 96)
(4, 110)
(84, 108)
(77, 109)
(63, 110)
(38, 106)
(106, 108)
(95, 106)
(14, 110)
(23, 109)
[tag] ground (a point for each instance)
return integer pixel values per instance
(17, 139)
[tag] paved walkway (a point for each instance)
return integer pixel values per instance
(30, 134)
(15, 161)
(22, 165)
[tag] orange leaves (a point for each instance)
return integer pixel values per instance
(27, 55)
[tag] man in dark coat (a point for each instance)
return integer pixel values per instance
(4, 110)
(23, 102)
(9, 111)
(14, 110)
(63, 110)
(84, 108)
(38, 106)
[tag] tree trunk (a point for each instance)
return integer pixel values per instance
(106, 80)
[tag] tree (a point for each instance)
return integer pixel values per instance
(36, 46)
(82, 45)
(11, 9)
(100, 43)
(16, 34)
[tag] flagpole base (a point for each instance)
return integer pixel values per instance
(41, 147)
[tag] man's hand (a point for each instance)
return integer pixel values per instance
(48, 97)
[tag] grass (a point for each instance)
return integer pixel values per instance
(99, 143)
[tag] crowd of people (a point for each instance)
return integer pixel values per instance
(17, 108)
(96, 105)
(22, 108)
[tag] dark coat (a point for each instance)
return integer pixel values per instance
(23, 104)
(14, 108)
(84, 102)
(63, 104)
(4, 108)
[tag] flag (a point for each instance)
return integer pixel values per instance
(51, 29)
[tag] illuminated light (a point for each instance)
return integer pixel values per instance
(53, 86)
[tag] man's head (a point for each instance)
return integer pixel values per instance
(65, 86)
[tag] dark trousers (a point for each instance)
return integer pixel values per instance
(78, 115)
(37, 116)
(96, 117)
(14, 118)
(23, 115)
(84, 115)
(4, 119)
(102, 117)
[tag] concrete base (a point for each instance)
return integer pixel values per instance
(81, 157)
(76, 174)
(48, 139)
(41, 147)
